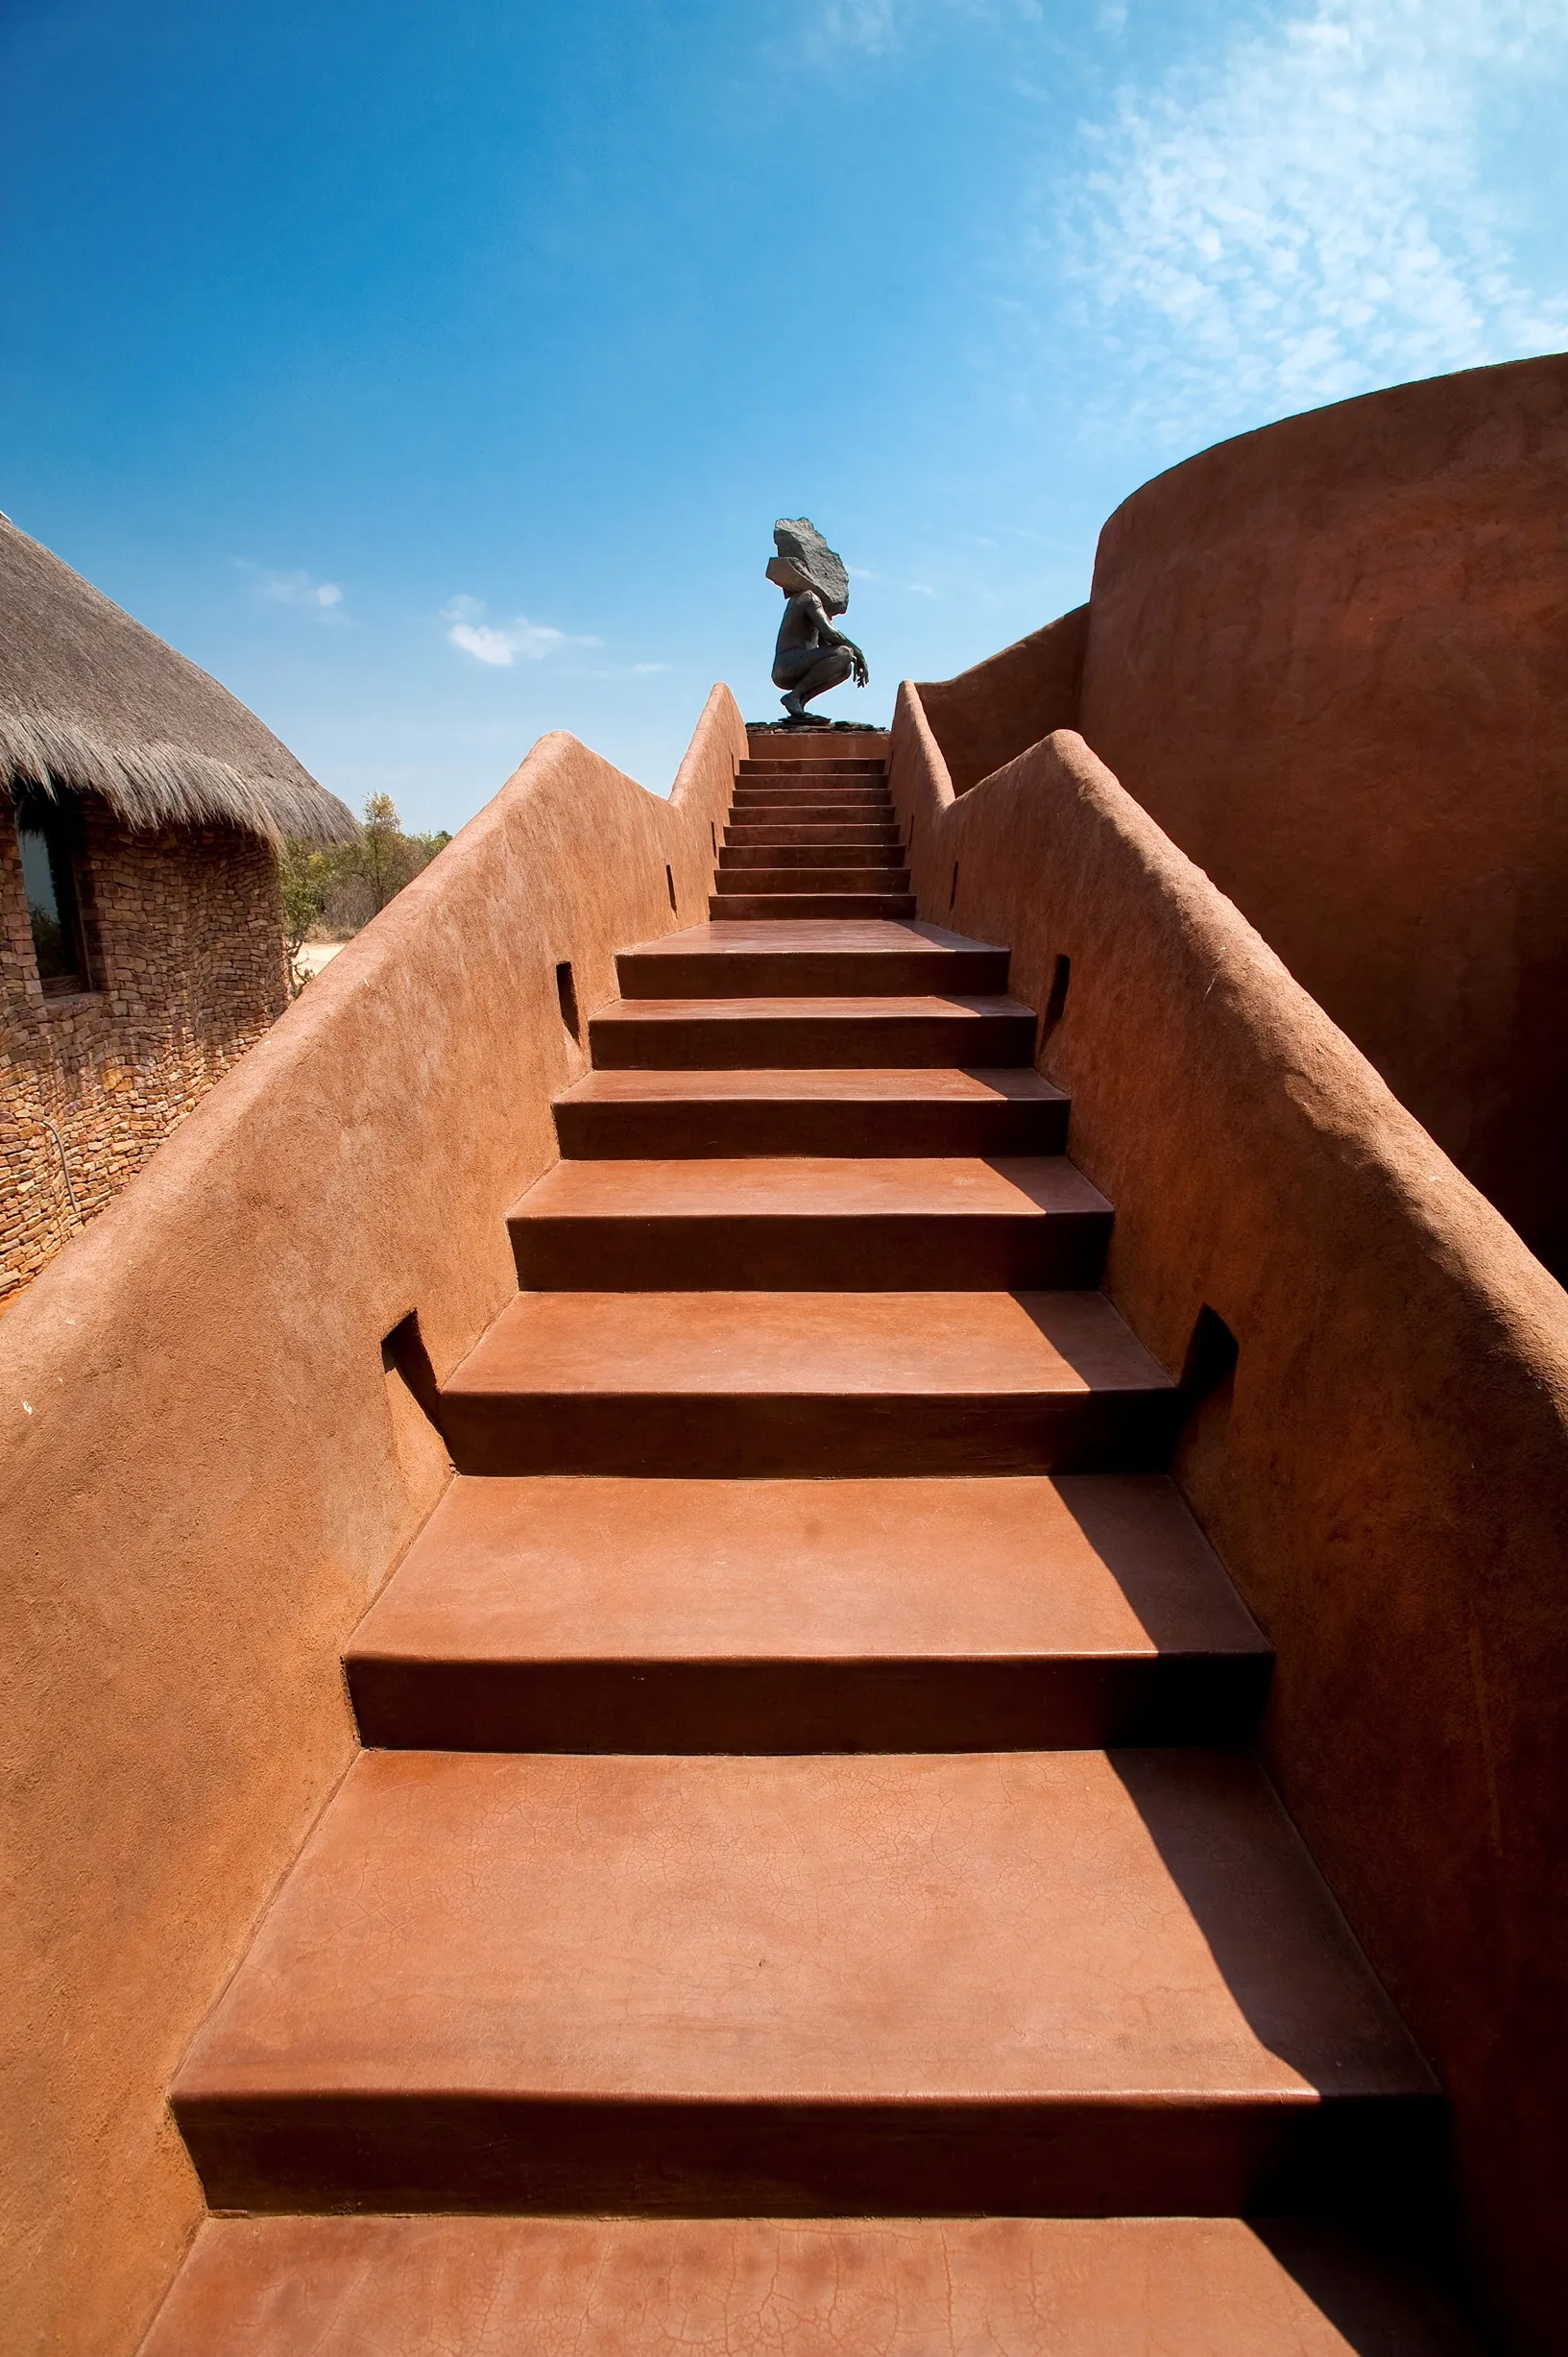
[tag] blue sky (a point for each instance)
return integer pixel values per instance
(433, 374)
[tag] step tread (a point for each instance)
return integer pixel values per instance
(774, 880)
(886, 1346)
(847, 1083)
(1013, 2287)
(812, 1186)
(1054, 1927)
(959, 1007)
(754, 907)
(809, 936)
(968, 1568)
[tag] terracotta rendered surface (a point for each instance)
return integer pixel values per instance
(206, 1471)
(494, 2287)
(542, 1949)
(1384, 1476)
(995, 711)
(1328, 659)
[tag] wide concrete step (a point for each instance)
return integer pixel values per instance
(751, 907)
(843, 791)
(797, 764)
(740, 1383)
(644, 2287)
(811, 801)
(774, 854)
(1069, 1983)
(744, 832)
(957, 1614)
(864, 876)
(813, 1222)
(801, 958)
(816, 1030)
(667, 1114)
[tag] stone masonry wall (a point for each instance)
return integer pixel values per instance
(185, 937)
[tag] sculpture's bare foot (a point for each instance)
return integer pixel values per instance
(793, 705)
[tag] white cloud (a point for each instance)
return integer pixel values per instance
(1309, 218)
(641, 669)
(501, 646)
(293, 589)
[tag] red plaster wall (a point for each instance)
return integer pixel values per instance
(185, 933)
(987, 714)
(1387, 1481)
(1331, 658)
(206, 1474)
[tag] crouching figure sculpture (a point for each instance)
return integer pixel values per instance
(811, 656)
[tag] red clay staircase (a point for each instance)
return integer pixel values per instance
(806, 1887)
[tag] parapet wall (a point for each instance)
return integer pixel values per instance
(1331, 658)
(1385, 1476)
(207, 1470)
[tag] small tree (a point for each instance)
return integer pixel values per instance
(384, 860)
(301, 888)
(337, 887)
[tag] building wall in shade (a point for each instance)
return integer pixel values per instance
(185, 941)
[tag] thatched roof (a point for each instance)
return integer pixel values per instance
(92, 703)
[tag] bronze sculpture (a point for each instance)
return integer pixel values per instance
(811, 655)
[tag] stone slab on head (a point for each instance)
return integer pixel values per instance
(806, 562)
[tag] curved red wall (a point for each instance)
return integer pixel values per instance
(1331, 660)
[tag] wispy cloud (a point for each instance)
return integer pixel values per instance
(293, 589)
(640, 670)
(878, 25)
(501, 645)
(1310, 217)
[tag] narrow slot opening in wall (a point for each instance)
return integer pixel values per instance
(953, 896)
(403, 1355)
(669, 886)
(1061, 975)
(1212, 1354)
(565, 991)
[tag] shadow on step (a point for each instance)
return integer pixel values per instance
(1376, 2151)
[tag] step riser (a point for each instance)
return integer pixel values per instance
(682, 1132)
(826, 973)
(731, 1043)
(691, 1707)
(746, 858)
(706, 1436)
(833, 795)
(752, 769)
(772, 815)
(862, 1252)
(783, 880)
(703, 2159)
(754, 907)
(803, 831)
(831, 802)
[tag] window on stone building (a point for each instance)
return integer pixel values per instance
(54, 905)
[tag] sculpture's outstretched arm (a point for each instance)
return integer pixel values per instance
(862, 671)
